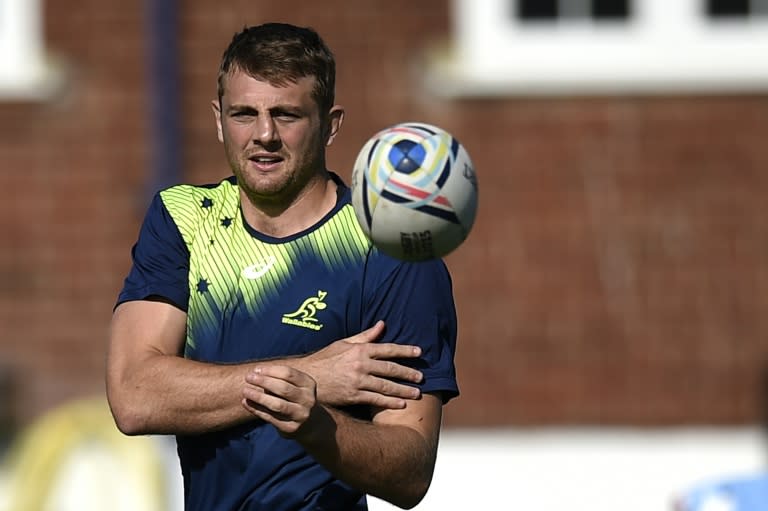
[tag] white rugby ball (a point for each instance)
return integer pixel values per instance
(414, 191)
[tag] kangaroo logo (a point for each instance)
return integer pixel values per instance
(304, 316)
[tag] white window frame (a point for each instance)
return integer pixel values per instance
(25, 72)
(665, 46)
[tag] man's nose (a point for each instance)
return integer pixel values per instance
(265, 131)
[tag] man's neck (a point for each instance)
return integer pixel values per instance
(301, 213)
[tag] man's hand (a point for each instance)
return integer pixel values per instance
(284, 397)
(357, 370)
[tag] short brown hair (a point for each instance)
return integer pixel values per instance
(280, 53)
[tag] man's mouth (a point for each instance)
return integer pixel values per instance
(262, 160)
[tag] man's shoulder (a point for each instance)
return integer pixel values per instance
(191, 206)
(205, 196)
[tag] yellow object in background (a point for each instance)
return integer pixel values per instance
(74, 458)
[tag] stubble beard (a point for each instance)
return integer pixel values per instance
(275, 192)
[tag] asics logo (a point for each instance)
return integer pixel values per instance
(257, 270)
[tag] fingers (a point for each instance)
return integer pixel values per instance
(391, 388)
(391, 350)
(368, 335)
(286, 425)
(280, 395)
(283, 382)
(384, 393)
(395, 371)
(385, 350)
(382, 401)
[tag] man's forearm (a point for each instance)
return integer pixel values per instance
(392, 462)
(167, 394)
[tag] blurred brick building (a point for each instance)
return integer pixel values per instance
(617, 272)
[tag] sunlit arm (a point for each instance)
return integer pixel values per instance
(152, 389)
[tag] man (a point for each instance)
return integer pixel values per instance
(298, 367)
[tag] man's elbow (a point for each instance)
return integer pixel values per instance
(408, 502)
(130, 424)
(130, 417)
(411, 494)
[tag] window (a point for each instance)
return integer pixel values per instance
(507, 47)
(552, 10)
(24, 72)
(720, 9)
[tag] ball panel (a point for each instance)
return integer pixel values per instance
(406, 156)
(415, 237)
(461, 189)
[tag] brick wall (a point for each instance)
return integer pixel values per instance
(72, 168)
(616, 274)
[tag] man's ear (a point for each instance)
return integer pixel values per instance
(216, 106)
(335, 120)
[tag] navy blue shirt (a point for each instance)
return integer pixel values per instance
(249, 296)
